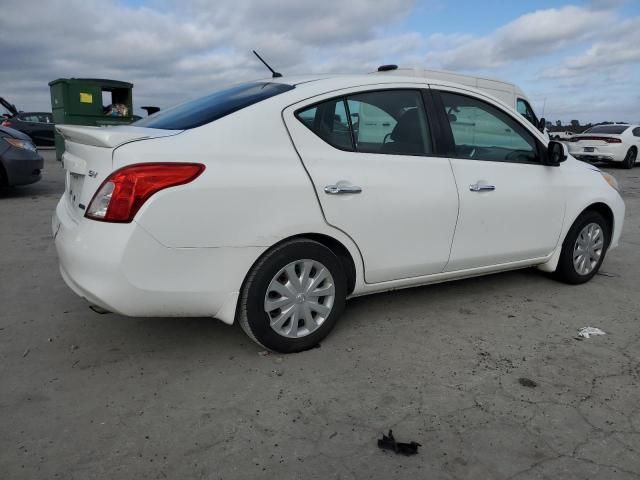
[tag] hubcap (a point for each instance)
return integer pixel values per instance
(299, 298)
(588, 249)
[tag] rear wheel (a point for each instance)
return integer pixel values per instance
(630, 159)
(293, 296)
(583, 249)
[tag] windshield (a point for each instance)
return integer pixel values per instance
(212, 107)
(610, 129)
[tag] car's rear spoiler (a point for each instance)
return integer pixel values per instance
(110, 137)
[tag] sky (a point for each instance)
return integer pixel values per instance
(575, 60)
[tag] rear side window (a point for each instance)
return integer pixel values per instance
(330, 122)
(387, 122)
(483, 132)
(216, 105)
(391, 122)
(636, 132)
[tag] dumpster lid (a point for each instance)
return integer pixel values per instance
(103, 82)
(12, 108)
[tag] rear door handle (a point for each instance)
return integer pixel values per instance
(481, 188)
(341, 189)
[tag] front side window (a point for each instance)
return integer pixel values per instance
(484, 132)
(526, 111)
(386, 122)
(211, 107)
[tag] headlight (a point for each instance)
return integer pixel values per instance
(21, 144)
(611, 180)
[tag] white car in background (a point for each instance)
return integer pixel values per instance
(508, 92)
(610, 143)
(270, 203)
(561, 136)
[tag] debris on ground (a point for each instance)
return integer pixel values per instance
(387, 442)
(264, 353)
(26, 352)
(587, 332)
(527, 382)
(607, 274)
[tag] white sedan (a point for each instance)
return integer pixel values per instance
(272, 202)
(610, 143)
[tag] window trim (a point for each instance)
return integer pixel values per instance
(423, 92)
(540, 149)
(535, 117)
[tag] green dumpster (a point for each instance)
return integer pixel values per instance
(90, 101)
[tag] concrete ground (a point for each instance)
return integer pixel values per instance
(87, 396)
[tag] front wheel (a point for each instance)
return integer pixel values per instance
(583, 249)
(293, 296)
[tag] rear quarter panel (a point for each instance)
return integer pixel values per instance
(254, 191)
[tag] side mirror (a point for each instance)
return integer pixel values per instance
(542, 124)
(556, 154)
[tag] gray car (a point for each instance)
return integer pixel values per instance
(20, 163)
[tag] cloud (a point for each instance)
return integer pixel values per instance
(179, 49)
(538, 33)
(173, 50)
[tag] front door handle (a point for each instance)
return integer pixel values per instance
(481, 188)
(341, 189)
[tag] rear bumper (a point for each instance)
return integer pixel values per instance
(22, 167)
(123, 269)
(606, 153)
(586, 157)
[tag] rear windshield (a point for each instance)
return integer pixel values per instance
(212, 107)
(610, 129)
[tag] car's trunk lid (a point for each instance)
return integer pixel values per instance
(88, 157)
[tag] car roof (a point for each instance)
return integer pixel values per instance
(338, 81)
(311, 85)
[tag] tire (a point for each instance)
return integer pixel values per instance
(630, 158)
(267, 276)
(3, 178)
(567, 271)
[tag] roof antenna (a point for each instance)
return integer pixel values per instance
(274, 74)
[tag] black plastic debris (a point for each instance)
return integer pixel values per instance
(387, 442)
(527, 382)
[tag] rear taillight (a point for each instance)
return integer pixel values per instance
(597, 139)
(123, 193)
(6, 123)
